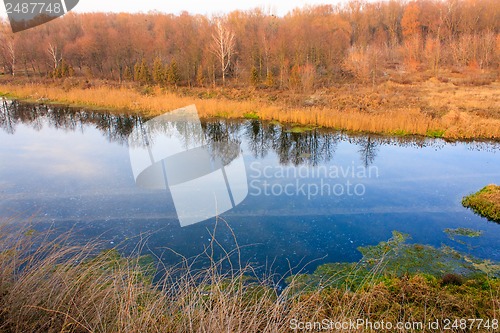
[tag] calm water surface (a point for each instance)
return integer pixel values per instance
(312, 195)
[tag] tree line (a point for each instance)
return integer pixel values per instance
(308, 48)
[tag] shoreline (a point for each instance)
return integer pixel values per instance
(465, 125)
(291, 127)
(40, 278)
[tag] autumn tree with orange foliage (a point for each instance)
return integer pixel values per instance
(306, 49)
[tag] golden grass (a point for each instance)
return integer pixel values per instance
(456, 122)
(49, 285)
(56, 287)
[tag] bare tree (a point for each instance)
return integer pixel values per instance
(11, 53)
(223, 47)
(8, 51)
(54, 54)
(368, 150)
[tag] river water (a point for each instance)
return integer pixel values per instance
(297, 198)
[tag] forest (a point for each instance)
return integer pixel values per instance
(308, 48)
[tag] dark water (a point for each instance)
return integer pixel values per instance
(313, 195)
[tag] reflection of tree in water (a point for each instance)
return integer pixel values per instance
(148, 132)
(7, 122)
(222, 139)
(311, 147)
(260, 137)
(368, 150)
(115, 128)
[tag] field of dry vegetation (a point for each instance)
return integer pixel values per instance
(396, 67)
(458, 107)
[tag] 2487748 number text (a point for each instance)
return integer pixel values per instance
(34, 8)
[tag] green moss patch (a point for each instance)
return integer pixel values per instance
(251, 115)
(300, 129)
(435, 133)
(486, 202)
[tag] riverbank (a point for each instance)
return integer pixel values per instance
(49, 285)
(485, 202)
(427, 108)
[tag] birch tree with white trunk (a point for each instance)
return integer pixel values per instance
(54, 54)
(222, 47)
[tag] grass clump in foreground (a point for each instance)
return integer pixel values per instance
(486, 202)
(53, 286)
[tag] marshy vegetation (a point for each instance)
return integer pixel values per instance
(423, 67)
(430, 108)
(48, 284)
(485, 202)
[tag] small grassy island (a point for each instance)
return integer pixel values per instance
(485, 202)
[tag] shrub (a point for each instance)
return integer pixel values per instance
(451, 279)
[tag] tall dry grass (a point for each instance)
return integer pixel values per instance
(400, 120)
(47, 284)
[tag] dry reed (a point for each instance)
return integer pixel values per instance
(49, 285)
(399, 120)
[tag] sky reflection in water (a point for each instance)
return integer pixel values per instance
(71, 168)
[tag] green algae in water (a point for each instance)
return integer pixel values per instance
(466, 232)
(396, 258)
(457, 234)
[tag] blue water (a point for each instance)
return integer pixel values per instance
(312, 197)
